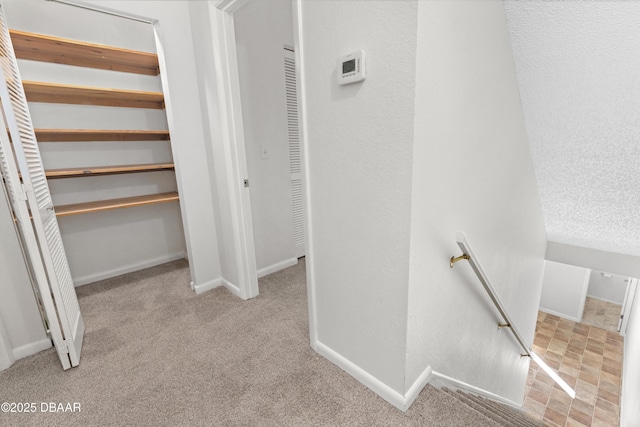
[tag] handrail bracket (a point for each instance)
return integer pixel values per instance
(453, 260)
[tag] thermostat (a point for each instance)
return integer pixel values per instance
(351, 68)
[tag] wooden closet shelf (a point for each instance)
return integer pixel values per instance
(106, 170)
(77, 135)
(87, 95)
(105, 205)
(40, 47)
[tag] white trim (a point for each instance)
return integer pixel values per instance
(298, 43)
(175, 153)
(605, 300)
(377, 386)
(7, 355)
(277, 267)
(106, 10)
(225, 58)
(461, 385)
(207, 286)
(622, 376)
(32, 348)
(628, 305)
(423, 379)
(231, 6)
(90, 278)
(583, 297)
(397, 399)
(555, 313)
(232, 288)
(622, 384)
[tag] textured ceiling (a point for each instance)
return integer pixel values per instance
(578, 65)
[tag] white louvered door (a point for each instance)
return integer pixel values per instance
(29, 194)
(295, 154)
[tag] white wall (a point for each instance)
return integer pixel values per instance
(110, 243)
(607, 286)
(617, 263)
(189, 143)
(359, 148)
(202, 37)
(431, 143)
(630, 395)
(6, 352)
(564, 290)
(472, 172)
(262, 29)
(21, 330)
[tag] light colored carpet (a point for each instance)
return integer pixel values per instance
(157, 354)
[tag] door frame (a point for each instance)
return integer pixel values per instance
(299, 48)
(225, 55)
(226, 60)
(627, 304)
(221, 16)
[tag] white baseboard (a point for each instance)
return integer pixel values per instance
(95, 277)
(564, 316)
(277, 267)
(606, 300)
(455, 384)
(392, 396)
(7, 358)
(207, 286)
(417, 386)
(31, 348)
(232, 288)
(212, 284)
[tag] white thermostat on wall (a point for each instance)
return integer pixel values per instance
(351, 68)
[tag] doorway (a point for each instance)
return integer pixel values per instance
(269, 104)
(592, 297)
(580, 336)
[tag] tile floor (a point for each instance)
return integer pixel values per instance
(589, 359)
(602, 314)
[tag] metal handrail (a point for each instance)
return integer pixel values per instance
(467, 254)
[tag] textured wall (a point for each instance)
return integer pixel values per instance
(472, 172)
(577, 65)
(359, 148)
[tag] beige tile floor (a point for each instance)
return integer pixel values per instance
(602, 314)
(589, 359)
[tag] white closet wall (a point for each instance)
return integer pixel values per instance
(23, 326)
(104, 244)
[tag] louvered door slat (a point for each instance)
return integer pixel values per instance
(63, 313)
(295, 154)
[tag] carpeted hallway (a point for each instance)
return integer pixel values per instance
(157, 354)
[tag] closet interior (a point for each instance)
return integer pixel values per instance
(99, 117)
